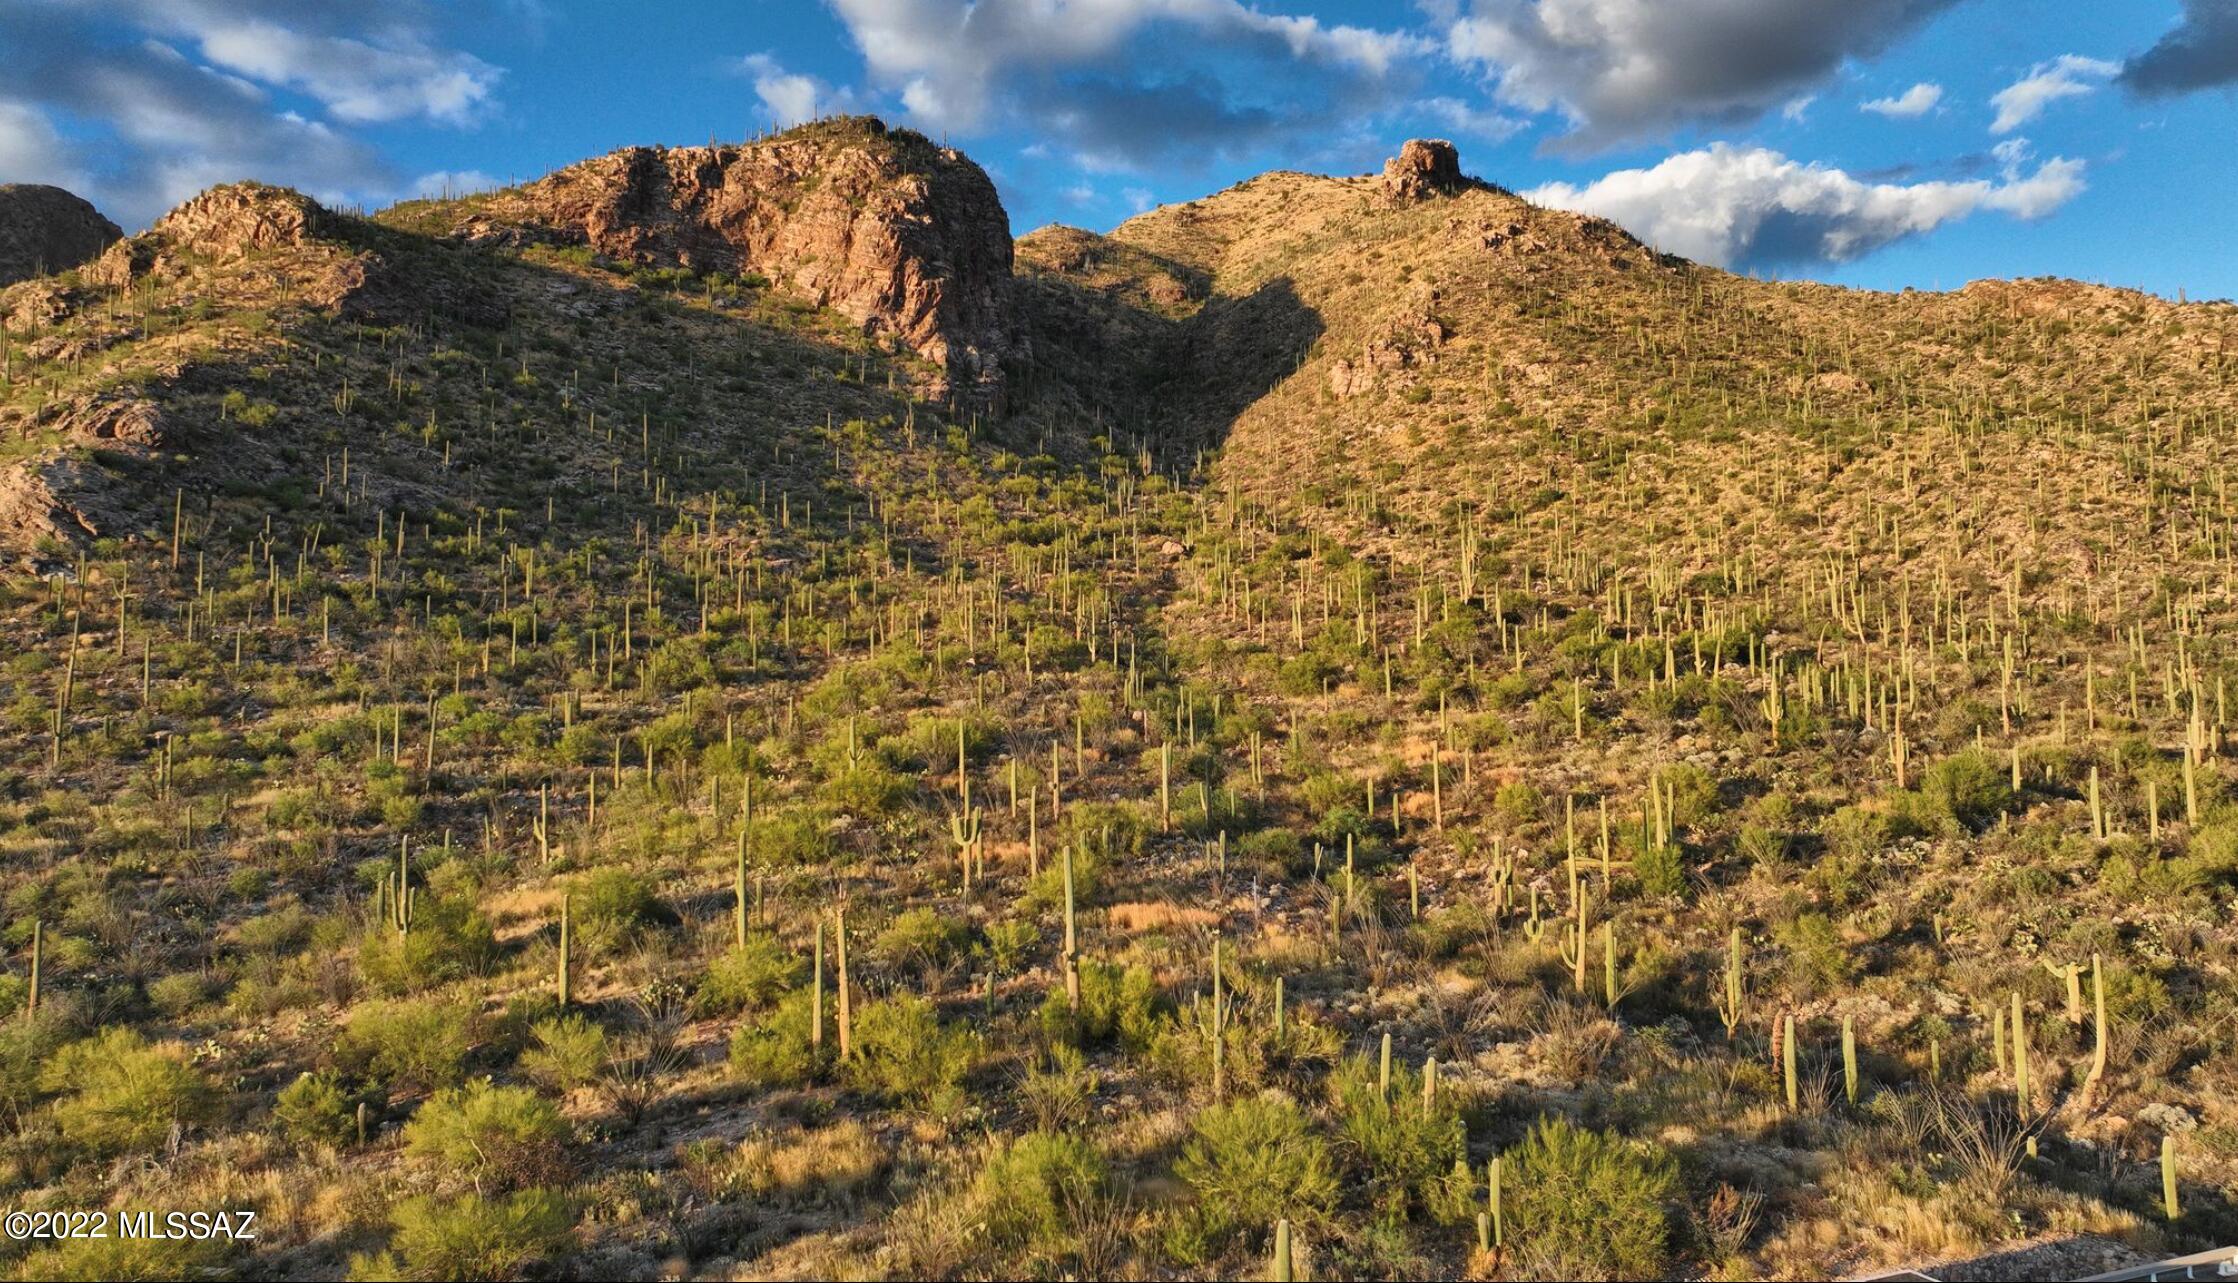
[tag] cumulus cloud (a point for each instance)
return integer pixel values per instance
(138, 104)
(2067, 76)
(1745, 207)
(2200, 52)
(32, 151)
(1127, 84)
(1913, 103)
(792, 97)
(1626, 70)
(363, 62)
(1461, 117)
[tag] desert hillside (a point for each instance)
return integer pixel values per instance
(712, 716)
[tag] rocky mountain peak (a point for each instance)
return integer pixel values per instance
(1424, 167)
(904, 237)
(221, 224)
(44, 230)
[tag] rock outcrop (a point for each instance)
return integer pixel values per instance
(904, 237)
(44, 230)
(1424, 167)
(220, 225)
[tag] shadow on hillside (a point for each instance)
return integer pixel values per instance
(461, 379)
(1178, 381)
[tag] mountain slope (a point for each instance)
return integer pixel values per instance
(560, 733)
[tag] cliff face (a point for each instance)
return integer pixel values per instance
(44, 230)
(906, 238)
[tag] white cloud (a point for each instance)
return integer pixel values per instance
(1124, 84)
(358, 81)
(1139, 198)
(1624, 70)
(138, 104)
(1466, 118)
(363, 61)
(1913, 103)
(153, 128)
(792, 97)
(31, 151)
(1750, 206)
(2067, 76)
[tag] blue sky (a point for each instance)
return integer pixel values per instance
(1870, 142)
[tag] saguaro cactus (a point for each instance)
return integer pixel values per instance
(1072, 938)
(2020, 1053)
(38, 951)
(1787, 1066)
(2168, 1200)
(1849, 1059)
(963, 829)
(2098, 1025)
(1492, 1197)
(566, 977)
(1729, 1008)
(816, 993)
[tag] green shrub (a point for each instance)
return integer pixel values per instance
(1405, 1148)
(450, 938)
(1033, 1187)
(1115, 1006)
(316, 1109)
(25, 1046)
(1660, 869)
(903, 1051)
(412, 1044)
(1816, 956)
(569, 1052)
(1967, 791)
(610, 906)
(509, 1136)
(123, 1095)
(748, 978)
(1249, 1163)
(471, 1237)
(1583, 1204)
(178, 993)
(121, 1259)
(773, 1050)
(920, 939)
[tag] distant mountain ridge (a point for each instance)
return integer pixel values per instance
(44, 230)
